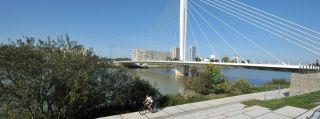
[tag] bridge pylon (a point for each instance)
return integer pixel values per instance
(183, 28)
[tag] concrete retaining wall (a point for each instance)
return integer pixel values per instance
(304, 83)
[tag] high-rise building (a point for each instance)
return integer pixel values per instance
(192, 53)
(236, 58)
(175, 53)
(149, 55)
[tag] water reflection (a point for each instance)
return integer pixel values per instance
(163, 79)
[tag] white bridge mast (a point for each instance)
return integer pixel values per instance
(183, 28)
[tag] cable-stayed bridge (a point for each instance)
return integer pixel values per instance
(191, 13)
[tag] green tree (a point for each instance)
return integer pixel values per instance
(213, 72)
(62, 79)
(208, 81)
(198, 59)
(225, 59)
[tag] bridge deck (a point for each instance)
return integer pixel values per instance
(275, 67)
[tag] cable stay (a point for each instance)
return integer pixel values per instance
(269, 23)
(315, 32)
(169, 24)
(273, 20)
(266, 26)
(282, 37)
(194, 37)
(239, 33)
(202, 32)
(215, 30)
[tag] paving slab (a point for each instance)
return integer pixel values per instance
(217, 117)
(241, 98)
(172, 110)
(213, 102)
(272, 115)
(253, 107)
(111, 117)
(216, 113)
(159, 113)
(233, 113)
(229, 100)
(198, 116)
(290, 111)
(222, 100)
(134, 115)
(257, 112)
(200, 104)
(232, 109)
(240, 116)
(187, 107)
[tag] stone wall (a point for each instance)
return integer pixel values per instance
(304, 83)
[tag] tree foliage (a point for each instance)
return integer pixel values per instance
(208, 81)
(62, 79)
(225, 59)
(212, 81)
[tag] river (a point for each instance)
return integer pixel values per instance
(166, 82)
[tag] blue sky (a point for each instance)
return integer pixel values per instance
(121, 25)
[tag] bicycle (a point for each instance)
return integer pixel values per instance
(143, 110)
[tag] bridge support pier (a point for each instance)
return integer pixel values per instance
(182, 70)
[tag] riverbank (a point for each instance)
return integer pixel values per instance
(167, 83)
(190, 96)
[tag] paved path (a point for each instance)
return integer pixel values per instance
(197, 107)
(238, 111)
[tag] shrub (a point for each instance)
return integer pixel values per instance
(242, 86)
(202, 85)
(227, 86)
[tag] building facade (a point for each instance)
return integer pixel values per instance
(192, 53)
(175, 53)
(149, 55)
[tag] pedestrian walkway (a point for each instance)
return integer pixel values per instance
(238, 111)
(190, 108)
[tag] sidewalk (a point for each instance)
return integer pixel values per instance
(238, 111)
(180, 110)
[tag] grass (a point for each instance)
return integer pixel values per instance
(269, 87)
(306, 101)
(274, 84)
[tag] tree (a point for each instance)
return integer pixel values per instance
(194, 71)
(208, 81)
(198, 59)
(225, 59)
(62, 79)
(248, 61)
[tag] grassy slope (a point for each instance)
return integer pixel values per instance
(306, 101)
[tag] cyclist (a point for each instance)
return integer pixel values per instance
(148, 102)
